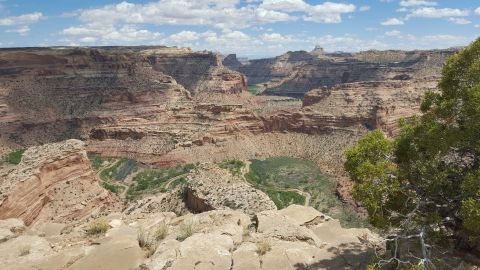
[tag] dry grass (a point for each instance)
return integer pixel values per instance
(99, 226)
(263, 247)
(147, 242)
(245, 232)
(161, 232)
(187, 229)
(24, 250)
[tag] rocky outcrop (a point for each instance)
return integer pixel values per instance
(53, 182)
(295, 73)
(211, 187)
(369, 104)
(220, 239)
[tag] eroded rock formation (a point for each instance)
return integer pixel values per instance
(295, 73)
(53, 182)
(211, 187)
(369, 104)
(53, 94)
(296, 238)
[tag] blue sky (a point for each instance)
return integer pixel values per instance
(251, 28)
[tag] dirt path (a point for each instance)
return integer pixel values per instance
(167, 184)
(127, 179)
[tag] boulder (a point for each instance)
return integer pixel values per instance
(274, 224)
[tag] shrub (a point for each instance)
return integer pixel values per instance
(263, 247)
(424, 183)
(96, 227)
(24, 250)
(161, 232)
(113, 188)
(147, 242)
(15, 157)
(96, 162)
(234, 166)
(187, 229)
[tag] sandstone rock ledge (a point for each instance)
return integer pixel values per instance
(211, 187)
(53, 182)
(298, 237)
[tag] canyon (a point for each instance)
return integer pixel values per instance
(151, 110)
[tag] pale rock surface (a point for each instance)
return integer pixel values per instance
(118, 251)
(274, 224)
(212, 187)
(14, 225)
(24, 248)
(220, 240)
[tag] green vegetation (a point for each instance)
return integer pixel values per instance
(426, 182)
(283, 199)
(118, 170)
(254, 89)
(145, 180)
(282, 179)
(149, 180)
(99, 226)
(97, 162)
(113, 188)
(180, 181)
(234, 166)
(15, 157)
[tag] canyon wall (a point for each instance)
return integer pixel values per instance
(295, 73)
(53, 183)
(53, 94)
(162, 106)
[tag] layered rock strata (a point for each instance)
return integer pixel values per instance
(54, 94)
(54, 182)
(295, 73)
(370, 104)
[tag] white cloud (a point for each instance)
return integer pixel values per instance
(364, 8)
(24, 19)
(224, 14)
(328, 12)
(277, 38)
(459, 21)
(477, 11)
(88, 40)
(393, 33)
(272, 16)
(184, 36)
(446, 40)
(108, 22)
(392, 21)
(218, 13)
(126, 33)
(285, 5)
(410, 3)
(22, 30)
(430, 12)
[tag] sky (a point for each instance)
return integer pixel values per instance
(249, 28)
